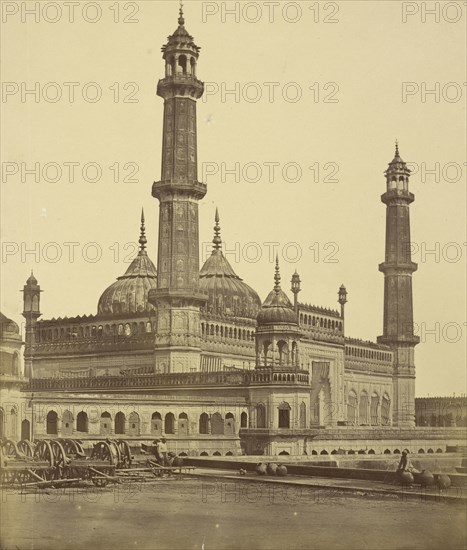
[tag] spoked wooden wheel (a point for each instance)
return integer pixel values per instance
(125, 453)
(107, 451)
(72, 447)
(10, 448)
(26, 447)
(60, 459)
(100, 481)
(43, 453)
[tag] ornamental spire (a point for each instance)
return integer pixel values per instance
(217, 241)
(142, 238)
(397, 149)
(277, 276)
(181, 19)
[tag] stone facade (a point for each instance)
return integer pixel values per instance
(196, 356)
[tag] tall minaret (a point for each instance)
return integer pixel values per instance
(398, 309)
(177, 297)
(31, 312)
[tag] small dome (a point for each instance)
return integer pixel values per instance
(32, 281)
(7, 326)
(129, 293)
(227, 293)
(277, 308)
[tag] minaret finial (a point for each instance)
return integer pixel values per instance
(277, 276)
(397, 148)
(181, 19)
(217, 241)
(142, 238)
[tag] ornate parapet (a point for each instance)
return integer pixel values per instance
(137, 382)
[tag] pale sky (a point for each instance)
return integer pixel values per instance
(329, 225)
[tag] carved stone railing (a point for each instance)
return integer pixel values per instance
(222, 378)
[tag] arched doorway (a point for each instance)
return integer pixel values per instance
(284, 415)
(156, 423)
(244, 420)
(52, 423)
(229, 424)
(25, 430)
(133, 424)
(106, 423)
(119, 423)
(169, 423)
(182, 424)
(217, 424)
(82, 422)
(260, 416)
(204, 424)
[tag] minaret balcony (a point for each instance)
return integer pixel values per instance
(180, 85)
(398, 268)
(169, 188)
(395, 196)
(399, 339)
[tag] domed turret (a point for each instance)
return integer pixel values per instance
(277, 308)
(8, 327)
(129, 293)
(227, 293)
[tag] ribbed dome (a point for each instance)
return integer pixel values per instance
(277, 308)
(227, 293)
(129, 293)
(7, 326)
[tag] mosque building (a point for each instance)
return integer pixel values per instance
(195, 355)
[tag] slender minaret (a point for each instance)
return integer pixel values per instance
(177, 297)
(31, 312)
(295, 288)
(398, 309)
(342, 298)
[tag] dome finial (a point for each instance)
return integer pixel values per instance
(217, 241)
(397, 148)
(277, 276)
(142, 238)
(181, 19)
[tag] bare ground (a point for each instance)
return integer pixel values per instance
(218, 514)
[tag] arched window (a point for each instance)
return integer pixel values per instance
(229, 424)
(106, 423)
(284, 415)
(260, 416)
(217, 424)
(363, 409)
(156, 423)
(244, 420)
(169, 423)
(119, 423)
(374, 409)
(133, 424)
(352, 407)
(182, 64)
(204, 424)
(67, 423)
(52, 423)
(82, 422)
(183, 424)
(385, 410)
